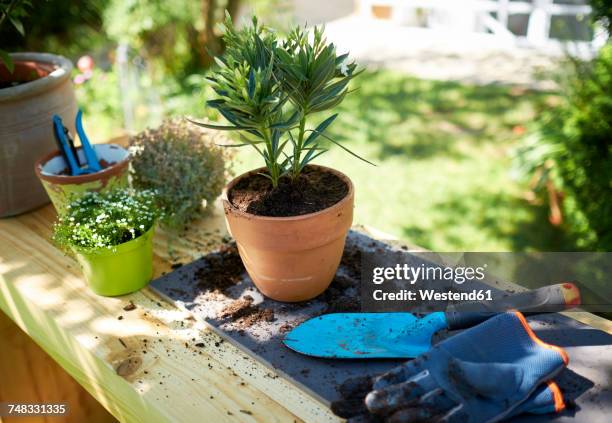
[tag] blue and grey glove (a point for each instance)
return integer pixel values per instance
(483, 374)
(545, 400)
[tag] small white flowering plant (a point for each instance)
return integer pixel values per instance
(105, 220)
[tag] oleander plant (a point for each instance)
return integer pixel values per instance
(278, 95)
(268, 89)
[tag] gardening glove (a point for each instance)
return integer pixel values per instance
(546, 399)
(480, 375)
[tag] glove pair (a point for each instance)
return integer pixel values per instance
(490, 372)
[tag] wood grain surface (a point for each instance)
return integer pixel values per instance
(29, 375)
(153, 363)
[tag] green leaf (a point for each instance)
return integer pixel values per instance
(18, 25)
(264, 86)
(280, 148)
(249, 142)
(311, 155)
(288, 123)
(218, 127)
(6, 59)
(347, 150)
(220, 62)
(329, 103)
(252, 83)
(265, 175)
(320, 129)
(341, 58)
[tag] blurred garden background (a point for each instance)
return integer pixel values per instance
(489, 122)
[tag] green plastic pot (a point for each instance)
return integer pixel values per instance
(121, 270)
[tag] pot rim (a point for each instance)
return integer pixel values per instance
(118, 249)
(80, 179)
(45, 83)
(340, 204)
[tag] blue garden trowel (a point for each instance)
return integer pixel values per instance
(66, 146)
(403, 335)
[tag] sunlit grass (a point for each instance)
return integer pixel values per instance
(444, 153)
(443, 149)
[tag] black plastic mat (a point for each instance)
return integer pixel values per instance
(588, 380)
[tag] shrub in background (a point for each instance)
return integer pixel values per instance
(179, 36)
(184, 164)
(572, 148)
(66, 27)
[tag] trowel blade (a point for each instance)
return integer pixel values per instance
(365, 335)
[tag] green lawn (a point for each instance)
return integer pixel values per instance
(444, 155)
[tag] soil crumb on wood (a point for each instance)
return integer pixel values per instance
(315, 190)
(223, 269)
(244, 314)
(130, 306)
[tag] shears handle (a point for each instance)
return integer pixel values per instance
(65, 145)
(93, 165)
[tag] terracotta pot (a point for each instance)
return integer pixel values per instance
(26, 131)
(63, 189)
(291, 258)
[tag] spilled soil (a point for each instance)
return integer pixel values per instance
(244, 314)
(315, 190)
(223, 270)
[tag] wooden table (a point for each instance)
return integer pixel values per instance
(153, 363)
(150, 364)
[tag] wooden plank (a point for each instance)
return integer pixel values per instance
(163, 375)
(33, 377)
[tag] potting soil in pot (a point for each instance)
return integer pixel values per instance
(314, 190)
(217, 290)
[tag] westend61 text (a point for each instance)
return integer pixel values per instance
(431, 295)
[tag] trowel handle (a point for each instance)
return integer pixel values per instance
(548, 299)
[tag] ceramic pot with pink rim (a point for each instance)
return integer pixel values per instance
(63, 188)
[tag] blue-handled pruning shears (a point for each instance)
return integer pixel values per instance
(69, 151)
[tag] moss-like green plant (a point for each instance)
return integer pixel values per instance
(183, 164)
(268, 88)
(105, 220)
